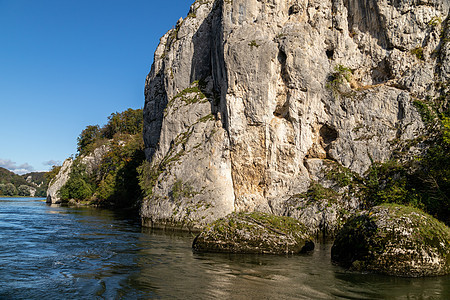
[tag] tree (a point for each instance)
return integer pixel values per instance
(87, 137)
(126, 122)
(23, 190)
(75, 188)
(9, 189)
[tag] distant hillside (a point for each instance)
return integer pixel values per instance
(7, 176)
(31, 184)
(37, 178)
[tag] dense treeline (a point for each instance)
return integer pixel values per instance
(115, 180)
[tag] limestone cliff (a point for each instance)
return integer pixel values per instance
(58, 182)
(248, 101)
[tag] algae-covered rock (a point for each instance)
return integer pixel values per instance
(254, 233)
(394, 240)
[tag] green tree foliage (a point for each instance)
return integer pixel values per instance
(116, 182)
(87, 137)
(127, 122)
(76, 188)
(8, 189)
(23, 190)
(119, 185)
(7, 176)
(80, 185)
(422, 182)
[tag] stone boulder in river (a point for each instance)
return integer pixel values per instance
(254, 233)
(394, 240)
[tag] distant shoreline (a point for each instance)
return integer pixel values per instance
(1, 196)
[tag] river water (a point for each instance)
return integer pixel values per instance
(51, 252)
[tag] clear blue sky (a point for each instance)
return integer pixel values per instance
(66, 64)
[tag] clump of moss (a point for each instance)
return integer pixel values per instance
(418, 52)
(435, 21)
(253, 44)
(317, 192)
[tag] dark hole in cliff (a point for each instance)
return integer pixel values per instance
(382, 73)
(282, 57)
(282, 111)
(330, 53)
(294, 9)
(328, 134)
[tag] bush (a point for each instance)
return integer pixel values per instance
(127, 122)
(75, 188)
(23, 190)
(422, 182)
(87, 137)
(8, 189)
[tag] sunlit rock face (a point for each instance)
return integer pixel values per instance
(246, 99)
(58, 182)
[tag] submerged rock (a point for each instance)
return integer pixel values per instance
(254, 233)
(394, 240)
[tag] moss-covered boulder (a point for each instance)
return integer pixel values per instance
(254, 233)
(394, 240)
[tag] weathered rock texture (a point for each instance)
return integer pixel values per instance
(245, 97)
(91, 163)
(394, 240)
(254, 233)
(58, 182)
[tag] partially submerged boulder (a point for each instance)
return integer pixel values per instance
(254, 233)
(394, 240)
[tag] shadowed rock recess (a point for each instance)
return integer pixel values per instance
(249, 102)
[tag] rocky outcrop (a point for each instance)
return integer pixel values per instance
(58, 182)
(245, 98)
(254, 233)
(93, 160)
(394, 240)
(91, 166)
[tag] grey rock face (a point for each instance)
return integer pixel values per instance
(93, 160)
(243, 93)
(394, 240)
(58, 182)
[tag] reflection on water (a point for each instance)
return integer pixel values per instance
(83, 253)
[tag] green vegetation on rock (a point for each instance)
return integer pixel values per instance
(114, 182)
(394, 240)
(254, 233)
(12, 184)
(423, 181)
